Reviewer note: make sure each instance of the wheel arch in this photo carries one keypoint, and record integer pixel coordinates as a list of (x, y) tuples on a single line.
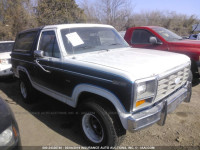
[(84, 89), (21, 70), (22, 73), (102, 96)]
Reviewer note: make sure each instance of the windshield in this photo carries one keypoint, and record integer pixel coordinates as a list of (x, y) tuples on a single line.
[(167, 34), (6, 47), (90, 39)]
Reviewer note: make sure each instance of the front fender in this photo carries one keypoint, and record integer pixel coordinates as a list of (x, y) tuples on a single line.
[(123, 114)]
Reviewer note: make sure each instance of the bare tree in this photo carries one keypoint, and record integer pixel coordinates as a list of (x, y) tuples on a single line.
[(90, 11), (15, 16), (114, 12)]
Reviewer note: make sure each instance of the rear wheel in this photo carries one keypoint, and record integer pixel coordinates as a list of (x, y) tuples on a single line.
[(98, 127), (23, 90), (26, 90)]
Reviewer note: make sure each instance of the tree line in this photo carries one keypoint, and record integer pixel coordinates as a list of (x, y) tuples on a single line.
[(18, 15), (120, 14)]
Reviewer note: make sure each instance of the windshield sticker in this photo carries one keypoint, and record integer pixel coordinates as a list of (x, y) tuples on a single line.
[(75, 39)]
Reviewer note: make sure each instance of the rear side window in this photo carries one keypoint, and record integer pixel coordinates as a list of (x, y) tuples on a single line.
[(141, 37), (25, 41)]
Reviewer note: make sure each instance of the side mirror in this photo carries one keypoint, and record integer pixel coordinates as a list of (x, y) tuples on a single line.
[(38, 53), (153, 40)]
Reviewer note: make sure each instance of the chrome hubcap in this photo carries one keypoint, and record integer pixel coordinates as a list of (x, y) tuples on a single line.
[(92, 128), (23, 89)]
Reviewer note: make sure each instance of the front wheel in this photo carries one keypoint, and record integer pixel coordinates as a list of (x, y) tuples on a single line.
[(189, 92), (93, 128), (98, 126)]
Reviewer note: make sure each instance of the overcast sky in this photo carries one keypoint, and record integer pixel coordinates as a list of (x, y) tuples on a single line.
[(188, 7)]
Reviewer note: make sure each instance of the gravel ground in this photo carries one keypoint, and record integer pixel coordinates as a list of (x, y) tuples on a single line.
[(46, 123)]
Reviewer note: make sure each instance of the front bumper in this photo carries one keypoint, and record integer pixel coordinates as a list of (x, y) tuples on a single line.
[(5, 70), (158, 113)]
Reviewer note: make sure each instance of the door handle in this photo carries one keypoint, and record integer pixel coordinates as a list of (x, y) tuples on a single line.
[(36, 61)]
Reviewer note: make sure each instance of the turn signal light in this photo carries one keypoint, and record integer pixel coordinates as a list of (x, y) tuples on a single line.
[(138, 103), (14, 131)]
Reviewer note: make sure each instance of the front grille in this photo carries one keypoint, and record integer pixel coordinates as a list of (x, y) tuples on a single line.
[(168, 85)]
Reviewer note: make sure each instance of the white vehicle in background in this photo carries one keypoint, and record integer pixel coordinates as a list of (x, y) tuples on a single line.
[(193, 37), (5, 59)]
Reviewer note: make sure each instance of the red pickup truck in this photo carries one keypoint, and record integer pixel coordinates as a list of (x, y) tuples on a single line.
[(159, 38)]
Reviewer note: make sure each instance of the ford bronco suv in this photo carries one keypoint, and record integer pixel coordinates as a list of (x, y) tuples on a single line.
[(91, 68)]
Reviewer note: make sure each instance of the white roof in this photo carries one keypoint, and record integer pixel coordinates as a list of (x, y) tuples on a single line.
[(62, 26)]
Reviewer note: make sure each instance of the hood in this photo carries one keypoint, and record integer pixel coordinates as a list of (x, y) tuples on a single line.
[(135, 63), (188, 43), (5, 55)]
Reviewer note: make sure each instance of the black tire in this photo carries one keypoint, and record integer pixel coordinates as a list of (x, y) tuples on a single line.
[(26, 90), (195, 73), (190, 78), (102, 124), (189, 93)]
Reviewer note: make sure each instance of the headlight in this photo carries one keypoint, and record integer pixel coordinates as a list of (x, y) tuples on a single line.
[(7, 137), (141, 88), (4, 61), (144, 92)]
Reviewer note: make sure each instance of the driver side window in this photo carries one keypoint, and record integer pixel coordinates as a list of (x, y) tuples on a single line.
[(49, 44), (141, 37)]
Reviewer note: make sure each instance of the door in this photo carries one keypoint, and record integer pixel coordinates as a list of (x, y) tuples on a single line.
[(141, 39), (48, 68)]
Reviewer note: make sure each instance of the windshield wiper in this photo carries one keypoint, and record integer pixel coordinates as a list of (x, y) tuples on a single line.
[(115, 44), (104, 49), (85, 47)]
